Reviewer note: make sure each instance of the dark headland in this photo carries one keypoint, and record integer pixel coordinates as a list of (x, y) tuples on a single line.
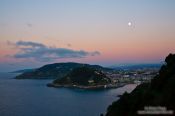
[(156, 96), (56, 70), (85, 78)]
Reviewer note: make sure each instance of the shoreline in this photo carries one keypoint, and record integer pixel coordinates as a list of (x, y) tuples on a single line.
[(109, 86)]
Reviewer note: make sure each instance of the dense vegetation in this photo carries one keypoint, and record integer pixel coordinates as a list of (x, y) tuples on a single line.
[(84, 76), (160, 92), (54, 71)]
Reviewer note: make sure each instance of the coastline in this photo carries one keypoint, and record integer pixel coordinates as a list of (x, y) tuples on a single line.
[(109, 86)]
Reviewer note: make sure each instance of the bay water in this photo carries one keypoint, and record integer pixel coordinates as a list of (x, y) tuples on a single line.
[(34, 98)]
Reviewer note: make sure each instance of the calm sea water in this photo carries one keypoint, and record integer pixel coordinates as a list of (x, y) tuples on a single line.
[(34, 98)]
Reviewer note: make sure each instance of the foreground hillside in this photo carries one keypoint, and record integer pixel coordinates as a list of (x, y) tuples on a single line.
[(159, 93), (53, 71)]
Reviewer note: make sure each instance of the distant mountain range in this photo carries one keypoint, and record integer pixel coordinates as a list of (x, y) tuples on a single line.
[(56, 70)]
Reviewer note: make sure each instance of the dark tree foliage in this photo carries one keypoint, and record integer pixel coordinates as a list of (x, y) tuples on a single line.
[(82, 75), (160, 92)]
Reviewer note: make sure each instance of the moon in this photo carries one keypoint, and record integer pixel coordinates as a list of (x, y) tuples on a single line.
[(129, 24)]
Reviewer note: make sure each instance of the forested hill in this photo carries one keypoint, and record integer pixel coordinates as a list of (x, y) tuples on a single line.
[(85, 76), (54, 71)]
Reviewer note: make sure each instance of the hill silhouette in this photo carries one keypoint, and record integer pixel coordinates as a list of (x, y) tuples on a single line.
[(160, 92), (56, 70), (84, 76)]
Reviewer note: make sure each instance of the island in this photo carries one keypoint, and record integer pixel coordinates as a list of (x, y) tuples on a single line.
[(85, 78)]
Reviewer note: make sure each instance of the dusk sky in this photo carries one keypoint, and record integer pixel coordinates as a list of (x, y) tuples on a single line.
[(105, 32)]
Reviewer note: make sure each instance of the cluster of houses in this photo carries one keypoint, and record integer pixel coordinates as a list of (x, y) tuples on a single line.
[(133, 76)]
